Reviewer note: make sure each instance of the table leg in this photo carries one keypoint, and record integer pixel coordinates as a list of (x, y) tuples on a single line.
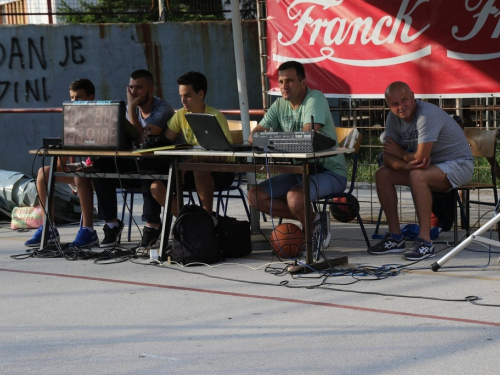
[(178, 185), (307, 211), (165, 231), (48, 203)]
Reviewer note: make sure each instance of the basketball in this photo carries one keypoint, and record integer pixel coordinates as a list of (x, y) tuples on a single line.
[(434, 220), (343, 212), (287, 240)]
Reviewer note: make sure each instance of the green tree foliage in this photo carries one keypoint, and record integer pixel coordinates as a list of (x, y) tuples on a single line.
[(248, 9), (110, 11), (133, 11), (194, 10)]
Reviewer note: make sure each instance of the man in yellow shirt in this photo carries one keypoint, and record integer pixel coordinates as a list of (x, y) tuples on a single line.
[(192, 91)]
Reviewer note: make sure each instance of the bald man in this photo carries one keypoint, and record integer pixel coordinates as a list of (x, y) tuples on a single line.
[(426, 150)]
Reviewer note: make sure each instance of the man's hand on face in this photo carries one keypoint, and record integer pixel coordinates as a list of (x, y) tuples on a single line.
[(132, 101)]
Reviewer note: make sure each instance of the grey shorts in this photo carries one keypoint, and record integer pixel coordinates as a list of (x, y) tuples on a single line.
[(459, 171), (320, 185)]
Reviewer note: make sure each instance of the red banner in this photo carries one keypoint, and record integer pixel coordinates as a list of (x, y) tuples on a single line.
[(354, 48)]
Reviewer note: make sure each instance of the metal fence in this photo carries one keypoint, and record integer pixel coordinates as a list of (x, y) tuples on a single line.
[(248, 8), (97, 11), (59, 11)]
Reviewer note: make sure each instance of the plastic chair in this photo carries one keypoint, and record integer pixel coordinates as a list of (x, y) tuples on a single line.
[(349, 138), (483, 145)]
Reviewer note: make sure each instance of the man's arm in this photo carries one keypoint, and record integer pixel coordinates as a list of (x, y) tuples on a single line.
[(258, 128), (307, 127), (132, 104), (152, 128), (170, 134), (395, 157)]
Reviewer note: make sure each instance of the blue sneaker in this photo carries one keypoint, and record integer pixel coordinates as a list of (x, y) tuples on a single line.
[(36, 240), (85, 237)]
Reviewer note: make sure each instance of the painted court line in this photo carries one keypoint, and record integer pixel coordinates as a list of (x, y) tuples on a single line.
[(244, 295)]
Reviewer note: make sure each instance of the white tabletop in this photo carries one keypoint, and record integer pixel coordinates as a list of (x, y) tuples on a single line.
[(256, 154)]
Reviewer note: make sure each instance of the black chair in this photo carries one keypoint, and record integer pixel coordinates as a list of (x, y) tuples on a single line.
[(231, 192), (348, 138)]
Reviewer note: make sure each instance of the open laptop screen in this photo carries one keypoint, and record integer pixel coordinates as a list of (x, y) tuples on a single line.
[(209, 133)]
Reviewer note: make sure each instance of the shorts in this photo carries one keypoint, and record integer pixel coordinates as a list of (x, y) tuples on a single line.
[(320, 185), (222, 180), (459, 172)]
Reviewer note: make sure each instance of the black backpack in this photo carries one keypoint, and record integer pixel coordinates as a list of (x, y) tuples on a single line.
[(234, 237), (194, 237)]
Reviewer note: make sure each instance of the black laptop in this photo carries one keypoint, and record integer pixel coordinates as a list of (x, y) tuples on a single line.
[(210, 135)]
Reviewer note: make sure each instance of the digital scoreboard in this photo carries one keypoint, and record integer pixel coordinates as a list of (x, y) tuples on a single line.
[(96, 125)]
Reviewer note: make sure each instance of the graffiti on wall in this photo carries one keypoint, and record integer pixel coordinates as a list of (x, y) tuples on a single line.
[(18, 56)]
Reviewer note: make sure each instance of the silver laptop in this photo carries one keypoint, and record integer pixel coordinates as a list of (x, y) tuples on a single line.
[(210, 135)]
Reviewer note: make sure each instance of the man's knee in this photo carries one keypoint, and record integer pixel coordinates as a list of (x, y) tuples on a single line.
[(418, 177), (157, 188), (382, 174), (295, 198), (255, 195), (203, 176)]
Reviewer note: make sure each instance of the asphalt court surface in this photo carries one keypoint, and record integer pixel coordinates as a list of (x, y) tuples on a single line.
[(378, 314)]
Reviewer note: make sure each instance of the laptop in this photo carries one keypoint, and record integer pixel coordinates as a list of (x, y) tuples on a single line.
[(210, 135)]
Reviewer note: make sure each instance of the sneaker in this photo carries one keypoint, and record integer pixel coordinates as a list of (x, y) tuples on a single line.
[(317, 233), (326, 228), (111, 235), (388, 245), (149, 237), (36, 240), (419, 250), (85, 237)]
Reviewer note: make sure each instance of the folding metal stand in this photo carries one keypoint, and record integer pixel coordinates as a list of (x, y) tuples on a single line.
[(473, 237)]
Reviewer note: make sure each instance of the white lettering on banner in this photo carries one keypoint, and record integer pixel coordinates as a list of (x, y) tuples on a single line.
[(472, 57), (481, 17), (362, 28), (327, 54)]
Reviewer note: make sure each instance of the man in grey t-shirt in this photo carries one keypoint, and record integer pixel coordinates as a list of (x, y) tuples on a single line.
[(426, 150)]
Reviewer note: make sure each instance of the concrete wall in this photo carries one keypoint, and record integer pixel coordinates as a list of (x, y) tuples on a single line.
[(37, 63)]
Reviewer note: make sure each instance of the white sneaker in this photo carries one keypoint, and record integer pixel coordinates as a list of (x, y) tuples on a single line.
[(326, 227)]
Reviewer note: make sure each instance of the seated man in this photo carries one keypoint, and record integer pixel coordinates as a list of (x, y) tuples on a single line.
[(148, 114), (293, 112), (192, 90), (80, 89), (426, 150)]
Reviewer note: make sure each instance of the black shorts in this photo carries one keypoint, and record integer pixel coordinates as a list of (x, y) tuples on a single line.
[(222, 180)]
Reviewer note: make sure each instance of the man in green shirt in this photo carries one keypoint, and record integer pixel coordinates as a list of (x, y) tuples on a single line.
[(299, 109)]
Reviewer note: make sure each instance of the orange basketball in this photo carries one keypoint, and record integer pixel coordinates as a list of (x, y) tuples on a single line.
[(434, 220), (287, 240)]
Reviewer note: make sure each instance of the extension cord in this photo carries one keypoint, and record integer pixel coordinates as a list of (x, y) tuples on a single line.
[(313, 267)]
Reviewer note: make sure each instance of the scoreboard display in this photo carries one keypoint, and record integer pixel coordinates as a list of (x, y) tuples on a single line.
[(95, 125)]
